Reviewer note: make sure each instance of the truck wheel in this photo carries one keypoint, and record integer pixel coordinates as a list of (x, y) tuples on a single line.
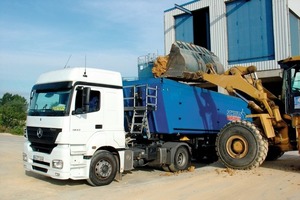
[(181, 160), (240, 145), (103, 169)]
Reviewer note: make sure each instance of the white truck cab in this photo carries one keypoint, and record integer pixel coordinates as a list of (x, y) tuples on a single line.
[(75, 120)]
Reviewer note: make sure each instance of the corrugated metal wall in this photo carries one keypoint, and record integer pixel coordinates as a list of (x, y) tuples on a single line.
[(218, 30)]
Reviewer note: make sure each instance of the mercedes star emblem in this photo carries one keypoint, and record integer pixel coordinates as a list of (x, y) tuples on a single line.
[(39, 133)]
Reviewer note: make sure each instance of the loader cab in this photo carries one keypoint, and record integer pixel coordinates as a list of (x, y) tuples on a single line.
[(291, 84)]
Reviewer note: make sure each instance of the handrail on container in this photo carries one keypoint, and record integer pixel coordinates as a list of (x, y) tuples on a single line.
[(150, 99)]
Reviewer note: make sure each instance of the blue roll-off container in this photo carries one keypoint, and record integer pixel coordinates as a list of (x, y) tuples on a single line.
[(185, 109)]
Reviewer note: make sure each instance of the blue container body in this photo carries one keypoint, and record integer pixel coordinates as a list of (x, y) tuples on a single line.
[(185, 109)]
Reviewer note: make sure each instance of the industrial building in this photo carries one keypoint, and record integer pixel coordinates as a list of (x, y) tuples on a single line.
[(239, 32)]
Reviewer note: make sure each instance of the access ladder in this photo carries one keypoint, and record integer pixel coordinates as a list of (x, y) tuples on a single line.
[(140, 100)]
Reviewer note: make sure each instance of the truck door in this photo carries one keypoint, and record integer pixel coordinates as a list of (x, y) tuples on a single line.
[(86, 113)]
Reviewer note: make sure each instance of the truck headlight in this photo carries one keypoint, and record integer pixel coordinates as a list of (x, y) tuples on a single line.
[(58, 164), (25, 158)]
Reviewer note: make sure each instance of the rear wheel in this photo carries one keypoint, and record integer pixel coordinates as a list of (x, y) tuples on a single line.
[(240, 145), (103, 168), (181, 160)]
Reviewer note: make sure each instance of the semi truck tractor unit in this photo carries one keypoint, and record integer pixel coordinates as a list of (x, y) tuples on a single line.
[(86, 123)]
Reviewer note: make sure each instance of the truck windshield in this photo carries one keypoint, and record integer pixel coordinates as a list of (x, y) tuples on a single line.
[(49, 103)]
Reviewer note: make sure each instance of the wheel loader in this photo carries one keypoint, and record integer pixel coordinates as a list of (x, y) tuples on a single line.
[(274, 123)]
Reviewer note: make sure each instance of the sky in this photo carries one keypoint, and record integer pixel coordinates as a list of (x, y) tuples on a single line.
[(38, 36)]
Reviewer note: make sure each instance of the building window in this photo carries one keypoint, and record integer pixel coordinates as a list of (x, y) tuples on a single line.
[(250, 31)]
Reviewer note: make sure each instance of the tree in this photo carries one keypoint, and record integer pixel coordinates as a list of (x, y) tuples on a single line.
[(13, 113)]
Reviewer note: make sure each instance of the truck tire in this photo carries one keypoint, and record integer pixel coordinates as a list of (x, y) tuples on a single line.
[(182, 160), (103, 168), (240, 145)]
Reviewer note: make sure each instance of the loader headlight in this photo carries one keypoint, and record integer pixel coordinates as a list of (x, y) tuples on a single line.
[(58, 164)]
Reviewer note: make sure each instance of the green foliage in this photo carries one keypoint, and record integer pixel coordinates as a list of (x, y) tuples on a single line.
[(12, 113)]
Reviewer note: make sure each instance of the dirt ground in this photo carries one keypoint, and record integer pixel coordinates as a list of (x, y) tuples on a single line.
[(273, 180)]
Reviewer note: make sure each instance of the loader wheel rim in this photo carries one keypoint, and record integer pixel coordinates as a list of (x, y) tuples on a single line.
[(237, 146)]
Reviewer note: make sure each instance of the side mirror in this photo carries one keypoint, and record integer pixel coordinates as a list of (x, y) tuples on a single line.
[(86, 99)]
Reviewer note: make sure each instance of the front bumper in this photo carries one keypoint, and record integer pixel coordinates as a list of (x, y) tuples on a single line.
[(72, 166)]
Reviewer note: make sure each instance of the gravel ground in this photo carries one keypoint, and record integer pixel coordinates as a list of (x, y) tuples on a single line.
[(273, 180)]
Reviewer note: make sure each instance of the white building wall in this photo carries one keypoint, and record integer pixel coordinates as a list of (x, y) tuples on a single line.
[(217, 12), (218, 30)]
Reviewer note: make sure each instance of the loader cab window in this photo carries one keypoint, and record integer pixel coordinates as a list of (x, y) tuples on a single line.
[(291, 89), (93, 105), (295, 80)]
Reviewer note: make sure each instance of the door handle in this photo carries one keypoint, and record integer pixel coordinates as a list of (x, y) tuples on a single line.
[(98, 126)]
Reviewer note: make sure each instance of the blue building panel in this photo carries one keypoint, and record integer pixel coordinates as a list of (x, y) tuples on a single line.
[(295, 34), (250, 31), (184, 29)]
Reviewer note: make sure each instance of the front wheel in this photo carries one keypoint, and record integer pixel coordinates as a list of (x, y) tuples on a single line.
[(181, 160), (103, 169), (240, 145)]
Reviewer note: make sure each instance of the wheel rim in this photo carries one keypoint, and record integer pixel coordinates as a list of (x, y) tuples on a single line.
[(237, 146), (103, 169), (181, 159)]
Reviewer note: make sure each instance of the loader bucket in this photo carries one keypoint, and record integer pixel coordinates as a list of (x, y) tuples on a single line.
[(185, 57)]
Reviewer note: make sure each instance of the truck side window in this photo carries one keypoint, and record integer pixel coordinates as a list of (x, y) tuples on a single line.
[(94, 104), (94, 101)]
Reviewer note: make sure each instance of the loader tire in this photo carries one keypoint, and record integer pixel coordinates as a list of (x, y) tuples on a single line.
[(274, 153), (240, 145), (103, 168)]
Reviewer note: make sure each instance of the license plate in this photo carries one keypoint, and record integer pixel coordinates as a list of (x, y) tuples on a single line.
[(38, 158)]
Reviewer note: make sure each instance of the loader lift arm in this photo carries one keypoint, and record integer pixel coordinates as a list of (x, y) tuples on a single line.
[(191, 63), (242, 81)]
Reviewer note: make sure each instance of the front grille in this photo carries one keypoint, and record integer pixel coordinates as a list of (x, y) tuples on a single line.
[(42, 139), (40, 169), (41, 162), (43, 148)]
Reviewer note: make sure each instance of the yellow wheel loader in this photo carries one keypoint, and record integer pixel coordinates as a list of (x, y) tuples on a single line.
[(274, 124)]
